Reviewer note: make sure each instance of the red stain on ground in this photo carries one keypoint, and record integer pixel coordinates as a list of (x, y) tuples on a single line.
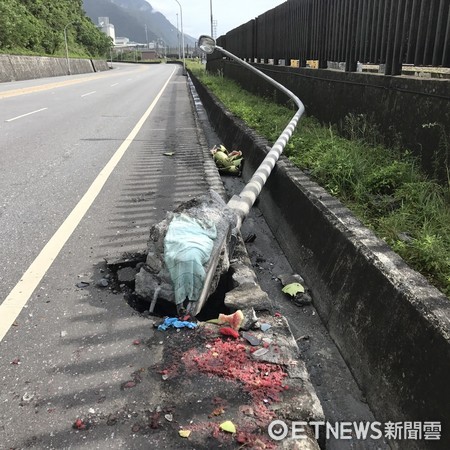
[(233, 361)]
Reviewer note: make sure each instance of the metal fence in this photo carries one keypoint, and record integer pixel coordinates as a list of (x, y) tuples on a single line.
[(382, 32)]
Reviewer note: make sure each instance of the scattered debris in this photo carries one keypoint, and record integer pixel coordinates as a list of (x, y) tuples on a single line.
[(16, 362), (247, 410), (137, 342), (82, 284), (302, 299), (169, 153), (227, 162), (176, 323), (184, 433), (126, 276), (288, 278), (260, 352), (103, 282), (27, 398), (250, 238), (228, 331), (168, 417), (251, 338), (293, 289), (217, 412), (305, 337), (80, 424), (154, 420), (293, 286), (234, 320), (228, 426), (265, 327)]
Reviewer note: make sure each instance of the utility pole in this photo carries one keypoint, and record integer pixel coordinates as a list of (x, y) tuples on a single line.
[(182, 37), (212, 26), (67, 48), (178, 40)]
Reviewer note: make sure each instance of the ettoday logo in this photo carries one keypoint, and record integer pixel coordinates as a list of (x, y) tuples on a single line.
[(414, 431), (278, 430)]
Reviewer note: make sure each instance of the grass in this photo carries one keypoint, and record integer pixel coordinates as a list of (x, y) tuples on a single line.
[(384, 187)]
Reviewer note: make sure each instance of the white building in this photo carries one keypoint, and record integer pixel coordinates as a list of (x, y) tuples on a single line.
[(107, 28)]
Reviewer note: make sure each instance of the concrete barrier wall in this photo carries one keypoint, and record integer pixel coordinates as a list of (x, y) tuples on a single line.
[(100, 65), (16, 68), (391, 326)]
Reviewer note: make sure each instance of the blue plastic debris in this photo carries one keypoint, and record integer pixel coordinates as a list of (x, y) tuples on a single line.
[(176, 323)]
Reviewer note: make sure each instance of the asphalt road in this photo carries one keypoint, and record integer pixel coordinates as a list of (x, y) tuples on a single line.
[(50, 157), (83, 176), (56, 135)]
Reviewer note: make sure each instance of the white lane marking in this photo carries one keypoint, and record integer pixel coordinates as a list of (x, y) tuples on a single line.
[(115, 84), (27, 114), (89, 93), (22, 291)]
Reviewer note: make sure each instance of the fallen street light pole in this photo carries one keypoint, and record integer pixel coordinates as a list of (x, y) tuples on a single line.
[(190, 250), (242, 203)]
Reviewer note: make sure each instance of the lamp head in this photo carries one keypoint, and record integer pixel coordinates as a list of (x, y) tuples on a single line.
[(207, 44)]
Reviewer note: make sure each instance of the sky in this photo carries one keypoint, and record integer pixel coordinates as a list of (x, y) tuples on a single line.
[(197, 15)]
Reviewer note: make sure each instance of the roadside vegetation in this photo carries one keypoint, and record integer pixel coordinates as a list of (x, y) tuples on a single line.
[(36, 27), (384, 187)]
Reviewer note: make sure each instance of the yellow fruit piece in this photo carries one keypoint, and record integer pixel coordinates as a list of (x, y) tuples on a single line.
[(184, 433), (228, 426)]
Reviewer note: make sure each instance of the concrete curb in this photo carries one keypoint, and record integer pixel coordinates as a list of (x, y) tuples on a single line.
[(391, 326), (17, 68), (302, 403)]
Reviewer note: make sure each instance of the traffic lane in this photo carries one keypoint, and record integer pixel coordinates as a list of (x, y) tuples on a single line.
[(14, 88), (75, 346), (47, 165), (40, 98)]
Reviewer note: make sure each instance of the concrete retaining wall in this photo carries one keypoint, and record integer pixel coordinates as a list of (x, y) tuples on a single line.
[(391, 326), (16, 68)]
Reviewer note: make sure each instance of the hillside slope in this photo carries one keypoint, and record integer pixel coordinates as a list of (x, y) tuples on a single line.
[(129, 18), (37, 27)]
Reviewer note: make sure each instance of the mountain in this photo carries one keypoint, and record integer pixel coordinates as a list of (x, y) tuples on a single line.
[(130, 17)]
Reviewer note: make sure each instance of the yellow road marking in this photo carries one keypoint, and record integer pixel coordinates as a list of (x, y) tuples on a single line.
[(22, 291), (55, 85)]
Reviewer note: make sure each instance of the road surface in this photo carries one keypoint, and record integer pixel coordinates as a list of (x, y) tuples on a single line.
[(83, 176)]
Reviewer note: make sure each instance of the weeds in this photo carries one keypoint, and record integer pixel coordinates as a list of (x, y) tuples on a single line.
[(383, 187)]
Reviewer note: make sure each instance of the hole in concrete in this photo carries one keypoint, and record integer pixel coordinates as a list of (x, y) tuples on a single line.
[(215, 303), (124, 270)]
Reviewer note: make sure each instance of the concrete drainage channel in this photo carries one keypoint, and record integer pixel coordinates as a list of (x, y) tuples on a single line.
[(391, 326)]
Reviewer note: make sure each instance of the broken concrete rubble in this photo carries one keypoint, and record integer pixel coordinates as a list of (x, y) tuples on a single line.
[(153, 279)]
